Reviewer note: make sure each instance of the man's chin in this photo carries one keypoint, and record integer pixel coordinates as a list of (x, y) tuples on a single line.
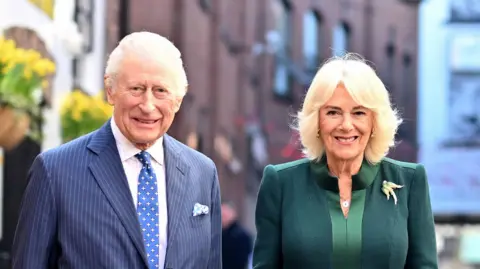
[(143, 146), (144, 143)]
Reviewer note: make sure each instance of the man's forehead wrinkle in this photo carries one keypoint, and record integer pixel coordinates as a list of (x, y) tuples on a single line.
[(163, 83), (169, 74)]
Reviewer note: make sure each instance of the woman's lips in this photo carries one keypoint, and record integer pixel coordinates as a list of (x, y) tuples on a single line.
[(346, 140)]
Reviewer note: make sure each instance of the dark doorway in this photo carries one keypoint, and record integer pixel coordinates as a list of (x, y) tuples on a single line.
[(15, 170)]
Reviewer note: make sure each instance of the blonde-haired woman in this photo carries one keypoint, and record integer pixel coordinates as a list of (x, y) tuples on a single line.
[(346, 205)]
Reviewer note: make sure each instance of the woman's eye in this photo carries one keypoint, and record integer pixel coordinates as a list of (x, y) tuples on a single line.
[(360, 113), (332, 112)]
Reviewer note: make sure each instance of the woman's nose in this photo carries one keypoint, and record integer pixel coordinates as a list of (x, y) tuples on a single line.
[(347, 123)]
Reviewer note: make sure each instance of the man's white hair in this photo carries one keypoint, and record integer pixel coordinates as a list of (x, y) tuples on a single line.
[(153, 47)]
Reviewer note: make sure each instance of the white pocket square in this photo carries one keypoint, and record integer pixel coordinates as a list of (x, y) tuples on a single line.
[(199, 209)]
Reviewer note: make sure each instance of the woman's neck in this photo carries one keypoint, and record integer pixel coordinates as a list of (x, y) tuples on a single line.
[(341, 167)]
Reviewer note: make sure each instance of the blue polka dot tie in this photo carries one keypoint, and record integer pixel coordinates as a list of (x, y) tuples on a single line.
[(147, 208)]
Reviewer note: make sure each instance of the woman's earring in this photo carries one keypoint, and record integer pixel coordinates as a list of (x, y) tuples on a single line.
[(318, 133)]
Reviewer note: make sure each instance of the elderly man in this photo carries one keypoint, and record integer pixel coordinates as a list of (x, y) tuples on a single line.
[(127, 195)]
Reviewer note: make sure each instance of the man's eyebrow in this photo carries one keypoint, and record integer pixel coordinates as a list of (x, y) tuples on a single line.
[(144, 83)]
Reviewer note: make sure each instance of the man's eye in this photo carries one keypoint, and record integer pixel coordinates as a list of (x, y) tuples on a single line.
[(161, 90)]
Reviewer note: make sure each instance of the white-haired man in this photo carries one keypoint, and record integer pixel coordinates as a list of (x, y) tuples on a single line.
[(127, 195)]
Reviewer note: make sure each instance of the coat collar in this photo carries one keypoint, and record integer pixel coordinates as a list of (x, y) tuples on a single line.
[(360, 181)]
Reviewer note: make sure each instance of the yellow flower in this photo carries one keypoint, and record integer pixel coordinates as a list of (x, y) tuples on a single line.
[(27, 73), (78, 103), (30, 60), (7, 50), (43, 67), (32, 56), (82, 113), (76, 115)]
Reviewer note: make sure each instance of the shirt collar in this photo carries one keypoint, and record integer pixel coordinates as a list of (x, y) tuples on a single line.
[(127, 149), (360, 181)]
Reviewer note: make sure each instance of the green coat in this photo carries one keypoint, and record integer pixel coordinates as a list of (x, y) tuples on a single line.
[(300, 224)]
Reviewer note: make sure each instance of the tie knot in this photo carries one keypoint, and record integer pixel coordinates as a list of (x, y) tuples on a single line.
[(144, 158)]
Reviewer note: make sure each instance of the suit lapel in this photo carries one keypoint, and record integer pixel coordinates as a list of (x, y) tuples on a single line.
[(176, 170), (110, 176)]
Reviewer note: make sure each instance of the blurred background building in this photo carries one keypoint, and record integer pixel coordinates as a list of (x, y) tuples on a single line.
[(249, 63), (449, 123)]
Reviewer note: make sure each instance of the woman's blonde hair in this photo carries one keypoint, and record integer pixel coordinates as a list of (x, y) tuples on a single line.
[(366, 88)]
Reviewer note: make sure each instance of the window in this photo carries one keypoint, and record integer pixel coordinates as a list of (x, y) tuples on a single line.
[(465, 10), (283, 23), (281, 82), (84, 17), (124, 18), (341, 39), (464, 91), (205, 5), (405, 99), (407, 75), (390, 52), (312, 40)]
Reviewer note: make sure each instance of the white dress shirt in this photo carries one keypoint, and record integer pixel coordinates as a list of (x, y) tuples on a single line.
[(132, 167)]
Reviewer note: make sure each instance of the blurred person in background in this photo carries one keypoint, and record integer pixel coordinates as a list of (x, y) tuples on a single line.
[(236, 241), (127, 195), (346, 205)]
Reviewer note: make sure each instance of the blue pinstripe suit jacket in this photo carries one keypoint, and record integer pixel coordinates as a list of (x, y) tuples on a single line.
[(77, 211)]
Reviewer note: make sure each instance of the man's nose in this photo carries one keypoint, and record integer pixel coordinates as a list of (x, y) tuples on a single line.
[(147, 104)]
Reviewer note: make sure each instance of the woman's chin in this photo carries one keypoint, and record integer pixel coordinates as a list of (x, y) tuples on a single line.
[(347, 155)]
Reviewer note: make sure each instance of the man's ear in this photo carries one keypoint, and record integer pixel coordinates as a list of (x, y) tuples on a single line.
[(177, 104), (108, 82), (178, 101)]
